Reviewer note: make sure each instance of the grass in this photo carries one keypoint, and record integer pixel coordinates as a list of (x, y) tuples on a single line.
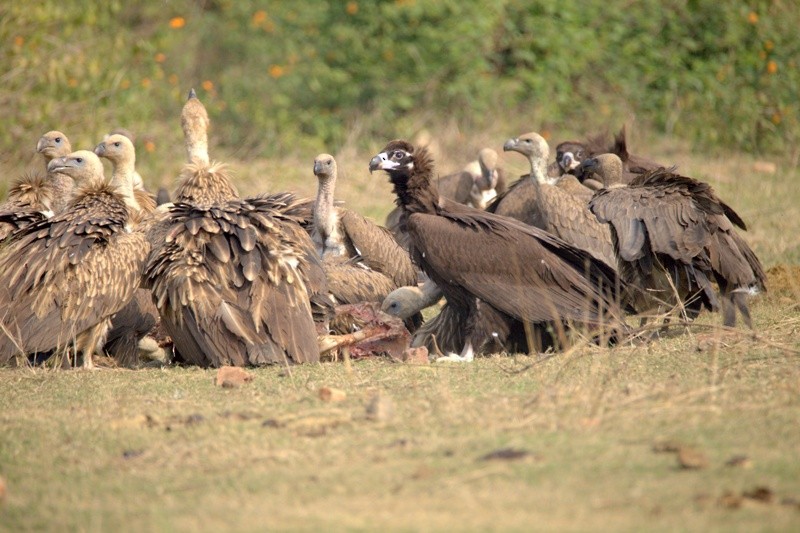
[(164, 449)]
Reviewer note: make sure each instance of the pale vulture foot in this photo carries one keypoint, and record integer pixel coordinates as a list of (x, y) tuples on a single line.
[(467, 355)]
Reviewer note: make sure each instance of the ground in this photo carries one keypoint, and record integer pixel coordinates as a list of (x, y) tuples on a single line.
[(695, 431)]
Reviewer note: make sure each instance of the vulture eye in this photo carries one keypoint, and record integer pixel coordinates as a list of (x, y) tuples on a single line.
[(79, 160), (58, 140), (397, 155), (328, 162), (117, 144)]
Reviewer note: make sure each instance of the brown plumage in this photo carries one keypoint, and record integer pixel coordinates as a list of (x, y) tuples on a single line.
[(119, 149), (673, 231), (538, 278), (534, 200), (477, 184), (363, 262), (63, 278), (572, 153), (231, 277), (36, 196)]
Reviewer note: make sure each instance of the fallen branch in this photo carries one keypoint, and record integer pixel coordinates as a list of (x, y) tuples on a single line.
[(328, 343)]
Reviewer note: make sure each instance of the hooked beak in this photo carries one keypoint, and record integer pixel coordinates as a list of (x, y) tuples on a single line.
[(100, 149), (381, 162), (40, 146), (510, 144), (568, 162), (57, 164), (317, 168), (587, 166)]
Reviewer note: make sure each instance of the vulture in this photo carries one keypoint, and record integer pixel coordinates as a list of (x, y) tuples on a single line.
[(476, 185), (118, 149), (232, 277), (673, 237), (140, 316), (539, 278), (63, 278), (534, 200), (34, 197), (363, 262)]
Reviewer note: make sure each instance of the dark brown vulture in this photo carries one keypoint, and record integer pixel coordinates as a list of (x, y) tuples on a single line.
[(63, 278), (477, 184), (363, 262), (534, 200), (673, 234), (119, 149), (569, 155), (525, 276), (232, 277)]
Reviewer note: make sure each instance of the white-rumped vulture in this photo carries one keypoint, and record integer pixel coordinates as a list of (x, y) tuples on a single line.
[(363, 262), (525, 275), (534, 200), (63, 278), (673, 234), (230, 276)]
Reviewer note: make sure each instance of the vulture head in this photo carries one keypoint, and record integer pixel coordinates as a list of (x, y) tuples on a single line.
[(569, 155), (53, 144), (403, 302), (397, 158), (605, 168), (116, 148), (324, 167), (194, 121), (487, 159), (534, 147), (82, 166)]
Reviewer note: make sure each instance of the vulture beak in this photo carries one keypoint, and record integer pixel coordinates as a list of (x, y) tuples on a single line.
[(510, 144), (381, 162), (568, 162), (40, 146), (57, 164), (100, 149), (317, 168), (588, 165)]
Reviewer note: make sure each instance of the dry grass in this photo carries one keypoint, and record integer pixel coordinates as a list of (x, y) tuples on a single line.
[(167, 450)]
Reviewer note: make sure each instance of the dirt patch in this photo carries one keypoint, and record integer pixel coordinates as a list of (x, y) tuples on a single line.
[(783, 281)]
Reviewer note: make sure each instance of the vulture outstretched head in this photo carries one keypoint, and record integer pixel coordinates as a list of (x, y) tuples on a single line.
[(534, 147), (195, 123), (53, 144)]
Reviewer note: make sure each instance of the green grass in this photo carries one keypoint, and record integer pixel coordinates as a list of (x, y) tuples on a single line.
[(166, 449)]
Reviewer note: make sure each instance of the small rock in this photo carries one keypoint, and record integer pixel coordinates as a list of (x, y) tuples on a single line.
[(131, 454), (329, 394), (232, 376), (416, 356), (691, 459), (380, 408)]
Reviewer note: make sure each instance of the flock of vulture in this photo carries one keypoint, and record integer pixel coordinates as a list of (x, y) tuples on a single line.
[(90, 265)]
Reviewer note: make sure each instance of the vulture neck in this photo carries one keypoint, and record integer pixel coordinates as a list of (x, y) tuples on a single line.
[(122, 179), (538, 170), (63, 187), (325, 218), (205, 185), (415, 192)]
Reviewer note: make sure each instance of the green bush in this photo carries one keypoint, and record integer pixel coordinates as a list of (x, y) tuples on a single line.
[(278, 75)]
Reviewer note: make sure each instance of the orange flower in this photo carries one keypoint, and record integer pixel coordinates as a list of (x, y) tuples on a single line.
[(352, 8), (276, 71), (776, 118), (19, 40), (160, 57), (173, 79), (146, 83), (752, 17), (177, 22), (72, 82), (768, 45), (207, 86), (150, 146), (259, 17), (772, 67), (124, 84)]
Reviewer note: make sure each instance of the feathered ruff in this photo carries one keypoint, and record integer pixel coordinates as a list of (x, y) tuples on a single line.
[(204, 184)]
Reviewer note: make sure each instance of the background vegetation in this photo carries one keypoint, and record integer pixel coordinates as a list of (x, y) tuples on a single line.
[(286, 76)]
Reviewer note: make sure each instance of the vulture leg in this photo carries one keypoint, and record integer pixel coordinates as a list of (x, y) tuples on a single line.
[(91, 341), (739, 298), (467, 355)]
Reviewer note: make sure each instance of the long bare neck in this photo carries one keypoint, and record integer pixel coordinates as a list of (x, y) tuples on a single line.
[(324, 211), (538, 169), (63, 187), (122, 179)]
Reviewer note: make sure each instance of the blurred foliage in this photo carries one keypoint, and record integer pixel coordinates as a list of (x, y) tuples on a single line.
[(278, 75)]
